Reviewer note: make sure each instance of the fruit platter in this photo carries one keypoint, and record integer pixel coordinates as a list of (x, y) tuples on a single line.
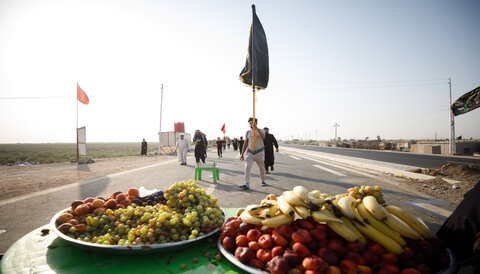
[(302, 231), (128, 223)]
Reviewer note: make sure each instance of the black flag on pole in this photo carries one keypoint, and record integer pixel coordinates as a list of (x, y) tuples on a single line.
[(258, 51), (467, 102)]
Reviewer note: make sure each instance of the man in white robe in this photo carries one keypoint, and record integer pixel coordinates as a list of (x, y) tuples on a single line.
[(182, 147)]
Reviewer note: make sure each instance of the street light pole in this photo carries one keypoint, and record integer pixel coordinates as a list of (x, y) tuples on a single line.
[(160, 130), (336, 126), (452, 121)]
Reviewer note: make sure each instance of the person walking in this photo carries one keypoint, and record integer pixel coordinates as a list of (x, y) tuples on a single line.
[(269, 142), (219, 147), (235, 144), (144, 148), (201, 144), (182, 148), (240, 144), (257, 155)]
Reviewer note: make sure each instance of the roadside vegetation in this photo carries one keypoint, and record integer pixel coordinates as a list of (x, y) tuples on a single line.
[(66, 152)]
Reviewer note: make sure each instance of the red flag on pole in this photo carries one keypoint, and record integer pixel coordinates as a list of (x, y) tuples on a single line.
[(223, 129), (82, 96)]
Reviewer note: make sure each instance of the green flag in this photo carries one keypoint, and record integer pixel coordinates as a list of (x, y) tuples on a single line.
[(467, 102)]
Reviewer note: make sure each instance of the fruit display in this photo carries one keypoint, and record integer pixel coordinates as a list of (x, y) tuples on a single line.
[(304, 231), (181, 212)]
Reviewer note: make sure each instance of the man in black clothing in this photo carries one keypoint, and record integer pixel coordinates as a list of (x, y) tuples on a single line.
[(219, 147), (240, 144), (269, 142), (144, 147), (200, 141)]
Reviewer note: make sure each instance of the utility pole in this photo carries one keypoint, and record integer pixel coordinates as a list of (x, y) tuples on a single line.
[(336, 126), (160, 130), (452, 121)]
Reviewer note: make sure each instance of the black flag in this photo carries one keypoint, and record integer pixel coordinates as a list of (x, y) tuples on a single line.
[(258, 51), (467, 102)]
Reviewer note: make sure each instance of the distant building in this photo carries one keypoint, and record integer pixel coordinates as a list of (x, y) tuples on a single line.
[(462, 147)]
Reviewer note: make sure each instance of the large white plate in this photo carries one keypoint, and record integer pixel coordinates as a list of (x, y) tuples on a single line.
[(125, 249)]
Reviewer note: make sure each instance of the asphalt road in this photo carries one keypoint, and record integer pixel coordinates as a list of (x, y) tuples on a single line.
[(29, 212), (403, 158)]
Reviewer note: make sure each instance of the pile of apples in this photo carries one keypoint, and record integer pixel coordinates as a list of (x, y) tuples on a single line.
[(307, 246)]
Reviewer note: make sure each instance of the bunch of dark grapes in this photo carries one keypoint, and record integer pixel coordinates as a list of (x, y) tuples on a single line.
[(152, 199)]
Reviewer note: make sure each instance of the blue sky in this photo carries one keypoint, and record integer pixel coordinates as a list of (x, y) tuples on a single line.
[(373, 67)]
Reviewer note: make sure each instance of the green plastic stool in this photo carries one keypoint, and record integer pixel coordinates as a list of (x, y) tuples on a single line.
[(214, 169)]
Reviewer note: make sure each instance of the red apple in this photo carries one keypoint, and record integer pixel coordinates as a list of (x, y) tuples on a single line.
[(300, 250), (410, 271), (266, 241), (363, 269), (279, 239), (337, 248), (377, 248), (390, 257), (241, 240), (357, 258), (318, 234), (302, 236), (348, 267), (277, 251), (285, 230), (243, 228), (264, 255), (292, 258), (229, 243), (314, 263), (244, 254), (357, 247), (254, 234), (253, 245), (328, 256), (306, 224), (278, 265), (371, 257), (332, 269), (256, 263)]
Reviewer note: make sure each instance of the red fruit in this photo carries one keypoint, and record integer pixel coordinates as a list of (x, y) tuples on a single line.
[(377, 248), (285, 230), (254, 234), (133, 192), (389, 267), (264, 255), (257, 263), (111, 203), (253, 245), (333, 270), (229, 231), (337, 248), (425, 244), (348, 267), (306, 224), (241, 240), (89, 200), (310, 271), (80, 227), (278, 265), (314, 264), (235, 223), (125, 202), (82, 209), (76, 203), (120, 197), (229, 243), (390, 257), (357, 247), (371, 257), (363, 269), (266, 241), (244, 254), (357, 258), (322, 243), (97, 203), (277, 251), (279, 239), (323, 227), (302, 236), (423, 268), (98, 211), (115, 194), (243, 228), (328, 256), (267, 230), (292, 258), (410, 271), (300, 250), (318, 234)]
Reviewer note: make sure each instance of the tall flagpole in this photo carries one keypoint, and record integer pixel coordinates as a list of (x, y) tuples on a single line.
[(253, 72), (160, 130), (76, 129)]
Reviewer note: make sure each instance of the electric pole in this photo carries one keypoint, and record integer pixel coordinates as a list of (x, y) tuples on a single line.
[(452, 121), (336, 126)]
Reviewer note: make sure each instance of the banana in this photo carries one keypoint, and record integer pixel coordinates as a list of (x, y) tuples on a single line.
[(325, 216), (352, 227), (292, 199), (302, 211), (399, 226), (301, 192), (272, 210), (413, 222), (340, 228), (371, 220), (377, 236), (247, 218), (315, 197), (345, 206), (374, 207), (256, 209), (277, 221), (285, 207)]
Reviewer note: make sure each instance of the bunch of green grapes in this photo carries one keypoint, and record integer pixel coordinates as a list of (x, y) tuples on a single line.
[(188, 213), (362, 191)]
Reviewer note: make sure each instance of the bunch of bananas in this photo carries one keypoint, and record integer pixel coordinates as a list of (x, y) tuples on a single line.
[(353, 217)]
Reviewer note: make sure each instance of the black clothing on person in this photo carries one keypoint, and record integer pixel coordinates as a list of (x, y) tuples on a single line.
[(240, 145), (219, 148), (200, 147), (269, 141), (144, 148)]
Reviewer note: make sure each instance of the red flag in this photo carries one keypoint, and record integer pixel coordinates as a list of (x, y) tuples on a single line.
[(82, 96), (223, 129)]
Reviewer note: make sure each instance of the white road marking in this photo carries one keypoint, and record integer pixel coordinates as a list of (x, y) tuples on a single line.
[(51, 190), (330, 170), (296, 158)]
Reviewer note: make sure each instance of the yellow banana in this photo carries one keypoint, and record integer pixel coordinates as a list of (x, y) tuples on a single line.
[(325, 216), (340, 228), (352, 227), (277, 221), (410, 220), (292, 199), (272, 210), (285, 207), (345, 206), (399, 226), (315, 197), (256, 209), (302, 211), (301, 192), (377, 236), (377, 224), (374, 207), (247, 218)]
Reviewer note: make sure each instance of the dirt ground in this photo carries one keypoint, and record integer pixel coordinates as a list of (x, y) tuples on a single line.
[(21, 180)]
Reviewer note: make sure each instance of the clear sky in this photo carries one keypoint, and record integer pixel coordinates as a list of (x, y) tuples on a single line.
[(374, 67)]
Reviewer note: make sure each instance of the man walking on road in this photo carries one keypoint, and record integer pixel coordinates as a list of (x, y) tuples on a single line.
[(182, 147), (257, 155), (269, 142), (240, 144), (200, 146)]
